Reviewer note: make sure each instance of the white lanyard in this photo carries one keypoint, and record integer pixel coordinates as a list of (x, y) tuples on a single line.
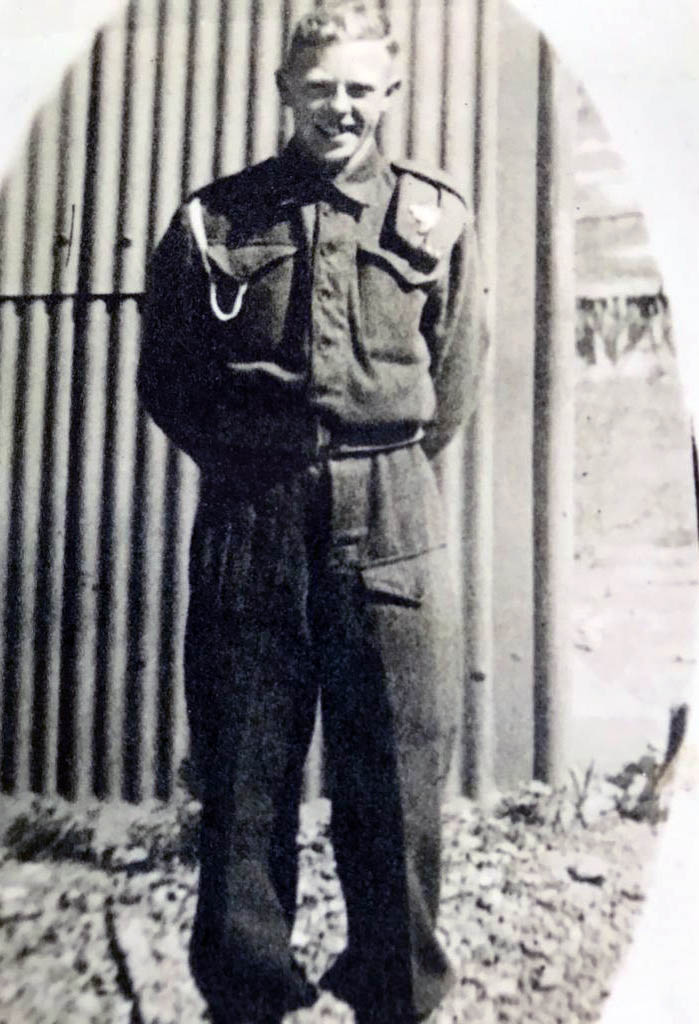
[(196, 221)]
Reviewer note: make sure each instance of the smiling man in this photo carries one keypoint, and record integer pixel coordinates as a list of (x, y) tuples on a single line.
[(338, 94), (312, 339)]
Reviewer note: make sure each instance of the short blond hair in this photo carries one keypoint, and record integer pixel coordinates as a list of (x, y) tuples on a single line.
[(337, 21)]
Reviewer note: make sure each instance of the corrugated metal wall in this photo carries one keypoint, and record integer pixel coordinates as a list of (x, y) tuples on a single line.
[(93, 538)]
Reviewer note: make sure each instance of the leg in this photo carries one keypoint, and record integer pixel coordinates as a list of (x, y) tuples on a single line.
[(389, 699), (251, 701)]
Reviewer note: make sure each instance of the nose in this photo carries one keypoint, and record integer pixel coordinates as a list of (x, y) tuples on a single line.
[(341, 102)]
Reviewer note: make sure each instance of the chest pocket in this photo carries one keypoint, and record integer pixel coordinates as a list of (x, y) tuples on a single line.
[(393, 294), (251, 304), (257, 274), (235, 272), (386, 262)]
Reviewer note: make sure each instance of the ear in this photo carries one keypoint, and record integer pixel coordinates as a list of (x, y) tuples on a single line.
[(391, 91), (283, 86)]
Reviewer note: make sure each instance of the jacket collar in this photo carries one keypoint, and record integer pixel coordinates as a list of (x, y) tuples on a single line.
[(366, 184)]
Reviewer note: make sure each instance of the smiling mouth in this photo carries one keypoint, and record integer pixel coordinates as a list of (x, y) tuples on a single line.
[(336, 133)]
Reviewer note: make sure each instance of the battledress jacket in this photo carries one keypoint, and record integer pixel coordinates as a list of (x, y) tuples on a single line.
[(279, 299)]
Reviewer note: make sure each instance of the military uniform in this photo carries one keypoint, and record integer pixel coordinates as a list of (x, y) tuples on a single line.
[(312, 342)]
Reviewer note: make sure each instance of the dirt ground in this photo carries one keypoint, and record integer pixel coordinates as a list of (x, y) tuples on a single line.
[(539, 901)]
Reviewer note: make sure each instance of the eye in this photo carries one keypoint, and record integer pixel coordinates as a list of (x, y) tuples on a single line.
[(358, 92), (317, 90)]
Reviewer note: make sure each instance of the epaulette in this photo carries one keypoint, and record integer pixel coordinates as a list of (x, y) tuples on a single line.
[(433, 175), (429, 212)]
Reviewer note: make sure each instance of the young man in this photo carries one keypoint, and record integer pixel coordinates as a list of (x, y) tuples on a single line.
[(312, 339)]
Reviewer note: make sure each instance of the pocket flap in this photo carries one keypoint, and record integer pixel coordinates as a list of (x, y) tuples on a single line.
[(402, 581), (248, 260), (397, 265)]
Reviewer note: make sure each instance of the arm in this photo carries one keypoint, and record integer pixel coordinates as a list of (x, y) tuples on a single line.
[(455, 329), (178, 382)]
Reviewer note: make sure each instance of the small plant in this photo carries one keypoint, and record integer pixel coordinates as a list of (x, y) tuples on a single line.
[(642, 782), (581, 790)]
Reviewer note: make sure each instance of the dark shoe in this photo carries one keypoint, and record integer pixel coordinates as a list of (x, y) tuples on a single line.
[(305, 992), (346, 980), (269, 1008), (274, 1019), (343, 978), (376, 1017)]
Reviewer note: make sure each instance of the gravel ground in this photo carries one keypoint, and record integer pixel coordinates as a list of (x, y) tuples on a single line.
[(539, 901)]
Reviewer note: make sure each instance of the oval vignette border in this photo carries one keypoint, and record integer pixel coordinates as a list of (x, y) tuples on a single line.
[(638, 63)]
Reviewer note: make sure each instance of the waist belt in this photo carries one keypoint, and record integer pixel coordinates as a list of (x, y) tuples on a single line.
[(343, 441), (249, 470)]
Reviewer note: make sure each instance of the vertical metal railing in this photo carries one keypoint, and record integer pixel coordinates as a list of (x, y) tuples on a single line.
[(477, 508), (553, 424)]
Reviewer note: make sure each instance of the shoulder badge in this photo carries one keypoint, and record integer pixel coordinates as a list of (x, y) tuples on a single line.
[(429, 213)]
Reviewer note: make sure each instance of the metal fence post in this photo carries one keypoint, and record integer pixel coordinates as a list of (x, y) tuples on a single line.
[(553, 415), (479, 727)]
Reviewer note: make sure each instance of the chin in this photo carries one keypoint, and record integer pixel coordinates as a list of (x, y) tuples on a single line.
[(331, 158), (322, 150), (339, 156)]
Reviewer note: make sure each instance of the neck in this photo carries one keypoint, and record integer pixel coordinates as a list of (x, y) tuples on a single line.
[(364, 153), (341, 169)]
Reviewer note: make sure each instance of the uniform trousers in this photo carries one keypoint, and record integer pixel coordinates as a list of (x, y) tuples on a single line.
[(329, 578)]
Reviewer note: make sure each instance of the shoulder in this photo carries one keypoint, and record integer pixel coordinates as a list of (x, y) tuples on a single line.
[(239, 205), (415, 174), (229, 194), (219, 210), (430, 211), (238, 189)]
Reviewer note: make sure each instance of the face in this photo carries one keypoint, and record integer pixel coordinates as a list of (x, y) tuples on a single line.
[(337, 94)]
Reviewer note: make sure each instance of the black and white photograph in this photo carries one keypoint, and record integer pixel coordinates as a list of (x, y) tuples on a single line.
[(348, 513)]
